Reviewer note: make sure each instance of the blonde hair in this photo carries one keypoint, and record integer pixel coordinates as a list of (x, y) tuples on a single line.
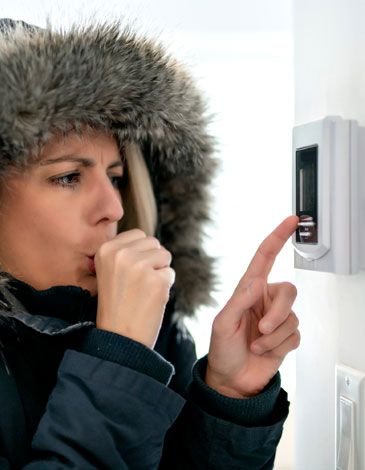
[(139, 203)]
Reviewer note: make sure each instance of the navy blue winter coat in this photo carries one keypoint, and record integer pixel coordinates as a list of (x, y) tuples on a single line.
[(73, 396)]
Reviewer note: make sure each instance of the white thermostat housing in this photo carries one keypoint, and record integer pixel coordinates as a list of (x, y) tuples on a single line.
[(327, 196)]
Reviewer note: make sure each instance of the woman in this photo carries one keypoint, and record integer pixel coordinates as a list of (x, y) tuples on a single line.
[(105, 167)]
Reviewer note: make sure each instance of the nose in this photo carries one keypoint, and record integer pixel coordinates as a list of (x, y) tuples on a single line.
[(107, 200)]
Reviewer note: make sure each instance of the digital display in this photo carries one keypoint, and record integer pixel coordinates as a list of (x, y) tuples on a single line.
[(307, 194), (307, 187)]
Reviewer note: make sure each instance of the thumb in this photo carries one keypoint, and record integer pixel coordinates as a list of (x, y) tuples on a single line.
[(243, 298)]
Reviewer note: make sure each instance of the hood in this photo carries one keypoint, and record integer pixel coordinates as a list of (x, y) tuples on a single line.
[(108, 76)]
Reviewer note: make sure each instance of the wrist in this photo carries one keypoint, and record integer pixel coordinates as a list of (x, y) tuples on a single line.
[(126, 352), (265, 409), (221, 385), (126, 331)]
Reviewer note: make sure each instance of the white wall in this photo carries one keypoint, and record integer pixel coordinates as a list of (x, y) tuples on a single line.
[(248, 79), (241, 54), (329, 44)]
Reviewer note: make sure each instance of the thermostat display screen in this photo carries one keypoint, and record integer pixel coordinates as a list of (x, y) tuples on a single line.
[(307, 194)]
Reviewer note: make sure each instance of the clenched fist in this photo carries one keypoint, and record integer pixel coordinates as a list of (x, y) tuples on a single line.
[(134, 279)]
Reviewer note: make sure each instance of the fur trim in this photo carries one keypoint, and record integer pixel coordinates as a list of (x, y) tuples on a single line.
[(105, 75)]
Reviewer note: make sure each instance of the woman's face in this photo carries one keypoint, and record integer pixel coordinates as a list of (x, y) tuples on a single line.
[(61, 210)]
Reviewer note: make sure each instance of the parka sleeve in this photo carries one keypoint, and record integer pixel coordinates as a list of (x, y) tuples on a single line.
[(103, 415), (215, 432)]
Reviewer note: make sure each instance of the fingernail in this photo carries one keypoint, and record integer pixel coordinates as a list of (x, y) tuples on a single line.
[(267, 327)]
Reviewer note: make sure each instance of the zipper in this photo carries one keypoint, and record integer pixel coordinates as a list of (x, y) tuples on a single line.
[(5, 362)]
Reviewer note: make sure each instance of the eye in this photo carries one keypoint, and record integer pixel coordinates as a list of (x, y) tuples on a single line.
[(72, 179), (65, 180), (118, 181)]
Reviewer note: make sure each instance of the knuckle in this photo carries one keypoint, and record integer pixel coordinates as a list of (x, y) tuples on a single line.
[(264, 344), (124, 258), (103, 251), (168, 255), (138, 231), (141, 266), (296, 339), (294, 319), (122, 255), (172, 276), (291, 288), (155, 241)]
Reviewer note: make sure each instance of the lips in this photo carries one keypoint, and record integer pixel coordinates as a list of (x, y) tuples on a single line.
[(91, 264)]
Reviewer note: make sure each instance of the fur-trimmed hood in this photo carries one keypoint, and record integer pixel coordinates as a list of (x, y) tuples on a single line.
[(108, 76)]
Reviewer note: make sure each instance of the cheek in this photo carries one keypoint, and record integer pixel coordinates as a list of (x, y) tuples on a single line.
[(53, 227), (41, 224)]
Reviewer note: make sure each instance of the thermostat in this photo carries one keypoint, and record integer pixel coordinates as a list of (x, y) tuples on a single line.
[(327, 196)]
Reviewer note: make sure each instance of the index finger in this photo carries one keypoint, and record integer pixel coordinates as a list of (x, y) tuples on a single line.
[(266, 253)]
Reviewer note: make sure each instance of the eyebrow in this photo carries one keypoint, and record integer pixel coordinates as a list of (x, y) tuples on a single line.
[(86, 162)]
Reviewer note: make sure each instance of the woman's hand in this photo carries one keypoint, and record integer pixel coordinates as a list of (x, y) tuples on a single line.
[(255, 330), (134, 280)]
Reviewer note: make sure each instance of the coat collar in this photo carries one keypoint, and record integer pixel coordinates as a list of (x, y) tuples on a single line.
[(58, 310)]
